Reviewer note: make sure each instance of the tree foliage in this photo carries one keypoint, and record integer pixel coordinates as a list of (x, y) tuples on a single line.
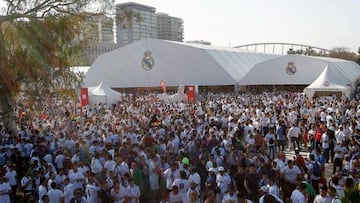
[(39, 41), (343, 53)]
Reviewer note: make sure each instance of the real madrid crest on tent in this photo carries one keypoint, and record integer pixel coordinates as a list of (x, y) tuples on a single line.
[(148, 61), (291, 68)]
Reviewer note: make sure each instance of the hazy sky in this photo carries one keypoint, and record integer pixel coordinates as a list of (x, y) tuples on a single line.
[(323, 23)]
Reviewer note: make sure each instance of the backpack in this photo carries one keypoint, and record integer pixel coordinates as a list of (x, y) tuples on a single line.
[(316, 169)]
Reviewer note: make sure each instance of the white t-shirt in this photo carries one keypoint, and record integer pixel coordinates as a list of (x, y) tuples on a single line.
[(11, 177), (68, 192), (195, 177), (227, 197), (55, 195), (42, 191), (325, 141), (170, 176), (77, 179), (92, 193), (291, 173), (176, 198), (133, 193), (183, 185), (297, 197), (120, 196), (5, 187), (59, 161)]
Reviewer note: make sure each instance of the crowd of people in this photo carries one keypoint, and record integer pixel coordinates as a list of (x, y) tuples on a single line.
[(225, 148)]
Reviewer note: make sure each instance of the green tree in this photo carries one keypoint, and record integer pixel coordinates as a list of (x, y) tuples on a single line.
[(39, 41), (343, 53)]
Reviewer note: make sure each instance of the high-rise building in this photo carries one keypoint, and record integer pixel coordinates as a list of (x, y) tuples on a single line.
[(170, 28), (135, 21), (101, 28), (99, 33)]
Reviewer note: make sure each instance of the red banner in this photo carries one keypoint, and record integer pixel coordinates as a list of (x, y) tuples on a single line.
[(84, 96), (163, 85), (191, 93)]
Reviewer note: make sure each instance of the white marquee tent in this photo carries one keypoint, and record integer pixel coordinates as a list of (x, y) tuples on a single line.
[(103, 94), (329, 83), (300, 70), (176, 63)]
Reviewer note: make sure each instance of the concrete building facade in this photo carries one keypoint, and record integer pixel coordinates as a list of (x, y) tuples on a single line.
[(129, 30), (170, 28)]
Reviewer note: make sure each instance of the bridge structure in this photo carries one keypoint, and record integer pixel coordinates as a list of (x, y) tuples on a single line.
[(284, 48)]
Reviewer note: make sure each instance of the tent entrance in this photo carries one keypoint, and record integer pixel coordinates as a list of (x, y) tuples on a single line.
[(338, 94)]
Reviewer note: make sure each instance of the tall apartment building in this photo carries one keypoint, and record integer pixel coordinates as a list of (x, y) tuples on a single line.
[(129, 30), (99, 32), (170, 28)]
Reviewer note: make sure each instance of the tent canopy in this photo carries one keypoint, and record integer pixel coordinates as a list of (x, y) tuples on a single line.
[(174, 62), (299, 70), (330, 82), (103, 94)]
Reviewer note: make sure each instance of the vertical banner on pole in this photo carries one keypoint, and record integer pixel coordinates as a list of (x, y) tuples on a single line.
[(191, 93), (84, 96)]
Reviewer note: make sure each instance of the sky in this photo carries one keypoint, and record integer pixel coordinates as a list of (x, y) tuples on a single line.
[(228, 23), (321, 23)]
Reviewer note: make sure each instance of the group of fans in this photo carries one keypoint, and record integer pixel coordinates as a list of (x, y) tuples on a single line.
[(225, 148)]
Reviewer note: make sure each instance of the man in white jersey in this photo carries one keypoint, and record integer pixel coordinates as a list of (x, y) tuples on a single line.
[(182, 183), (68, 190), (92, 189), (55, 195)]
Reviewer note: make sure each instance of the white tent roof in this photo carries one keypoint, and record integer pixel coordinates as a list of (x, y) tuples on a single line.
[(331, 80), (102, 90), (103, 94), (176, 63), (273, 72)]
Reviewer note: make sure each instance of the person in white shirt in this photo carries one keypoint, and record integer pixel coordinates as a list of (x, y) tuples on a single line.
[(293, 135), (266, 197), (290, 172), (195, 177), (42, 190), (273, 188), (333, 196), (230, 196), (11, 178), (59, 161), (78, 196), (325, 143), (175, 196), (182, 183), (340, 135), (322, 197), (5, 191), (193, 194), (223, 181), (26, 183), (109, 164), (76, 177), (55, 195), (59, 179), (170, 175), (298, 195), (340, 151), (92, 190), (133, 192), (118, 193), (96, 166), (68, 190)]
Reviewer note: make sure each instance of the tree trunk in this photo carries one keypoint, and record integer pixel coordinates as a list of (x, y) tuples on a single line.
[(8, 114)]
